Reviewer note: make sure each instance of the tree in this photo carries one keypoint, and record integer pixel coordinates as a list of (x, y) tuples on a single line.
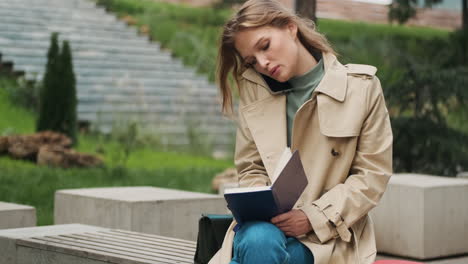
[(57, 101), (50, 83), (69, 123), (307, 9), (402, 10), (426, 90)]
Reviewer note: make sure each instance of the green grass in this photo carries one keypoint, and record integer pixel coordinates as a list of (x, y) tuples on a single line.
[(13, 119), (25, 183)]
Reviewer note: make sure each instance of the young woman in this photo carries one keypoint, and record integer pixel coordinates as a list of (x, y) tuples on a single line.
[(294, 92)]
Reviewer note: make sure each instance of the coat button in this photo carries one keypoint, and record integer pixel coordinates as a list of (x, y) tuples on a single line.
[(335, 153)]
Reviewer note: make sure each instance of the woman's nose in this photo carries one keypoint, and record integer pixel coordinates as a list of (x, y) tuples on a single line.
[(263, 62)]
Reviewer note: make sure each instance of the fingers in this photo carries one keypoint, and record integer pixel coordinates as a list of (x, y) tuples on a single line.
[(280, 218)]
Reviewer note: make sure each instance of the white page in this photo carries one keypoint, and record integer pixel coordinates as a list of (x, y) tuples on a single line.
[(246, 189), (285, 157)]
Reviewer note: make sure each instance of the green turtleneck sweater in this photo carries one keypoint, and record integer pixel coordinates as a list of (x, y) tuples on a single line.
[(302, 88)]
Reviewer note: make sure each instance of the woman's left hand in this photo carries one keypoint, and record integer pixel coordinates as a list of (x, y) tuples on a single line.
[(293, 223)]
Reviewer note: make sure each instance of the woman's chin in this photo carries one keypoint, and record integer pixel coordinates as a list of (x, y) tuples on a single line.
[(281, 79)]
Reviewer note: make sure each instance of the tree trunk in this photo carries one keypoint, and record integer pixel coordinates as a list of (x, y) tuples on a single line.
[(307, 8)]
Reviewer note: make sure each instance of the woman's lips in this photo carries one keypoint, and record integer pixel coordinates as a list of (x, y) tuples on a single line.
[(275, 71)]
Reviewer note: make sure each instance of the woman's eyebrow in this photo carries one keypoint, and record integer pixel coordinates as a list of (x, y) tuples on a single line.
[(256, 44)]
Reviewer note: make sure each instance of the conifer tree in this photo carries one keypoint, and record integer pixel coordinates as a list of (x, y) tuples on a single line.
[(50, 82), (57, 102), (68, 87)]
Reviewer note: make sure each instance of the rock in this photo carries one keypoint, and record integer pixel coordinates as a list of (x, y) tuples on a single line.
[(27, 146), (227, 176), (3, 145), (20, 149), (56, 156)]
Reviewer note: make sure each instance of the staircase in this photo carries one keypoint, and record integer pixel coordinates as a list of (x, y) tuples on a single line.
[(121, 76)]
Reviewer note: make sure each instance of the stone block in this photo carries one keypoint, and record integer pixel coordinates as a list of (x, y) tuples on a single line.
[(16, 215), (9, 250), (423, 217), (151, 210), (463, 175), (82, 244)]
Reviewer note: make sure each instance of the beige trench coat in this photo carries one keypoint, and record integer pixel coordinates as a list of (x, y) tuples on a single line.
[(344, 137)]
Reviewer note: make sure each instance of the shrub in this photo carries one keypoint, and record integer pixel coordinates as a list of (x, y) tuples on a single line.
[(57, 104)]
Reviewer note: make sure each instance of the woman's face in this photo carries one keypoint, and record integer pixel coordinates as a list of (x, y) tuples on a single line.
[(269, 50)]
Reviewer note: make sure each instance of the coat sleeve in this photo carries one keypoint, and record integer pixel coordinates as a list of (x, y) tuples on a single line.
[(337, 210), (247, 160)]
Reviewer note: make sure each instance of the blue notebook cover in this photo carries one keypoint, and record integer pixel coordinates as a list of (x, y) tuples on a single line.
[(269, 201)]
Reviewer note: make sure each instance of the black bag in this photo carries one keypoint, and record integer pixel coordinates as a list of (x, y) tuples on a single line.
[(211, 231)]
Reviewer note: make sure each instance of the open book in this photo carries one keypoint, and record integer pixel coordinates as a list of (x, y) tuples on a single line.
[(263, 203)]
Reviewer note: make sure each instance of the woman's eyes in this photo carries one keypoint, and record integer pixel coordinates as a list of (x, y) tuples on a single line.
[(251, 64)]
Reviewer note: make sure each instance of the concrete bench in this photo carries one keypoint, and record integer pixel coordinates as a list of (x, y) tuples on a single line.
[(151, 210), (423, 217), (16, 215), (82, 244)]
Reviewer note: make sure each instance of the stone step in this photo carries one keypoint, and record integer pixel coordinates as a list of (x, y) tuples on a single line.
[(91, 16), (151, 80), (158, 118), (193, 86), (172, 89), (219, 132), (45, 7), (35, 72), (118, 98), (85, 55), (117, 26), (38, 66), (169, 119), (119, 74), (75, 4), (39, 33), (145, 108), (92, 62)]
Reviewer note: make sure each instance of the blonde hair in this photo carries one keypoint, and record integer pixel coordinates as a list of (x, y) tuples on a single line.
[(254, 14)]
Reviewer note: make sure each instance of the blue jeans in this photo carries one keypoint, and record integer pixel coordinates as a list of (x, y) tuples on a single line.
[(263, 242)]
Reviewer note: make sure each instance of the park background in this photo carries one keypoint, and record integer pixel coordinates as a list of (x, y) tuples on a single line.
[(423, 67)]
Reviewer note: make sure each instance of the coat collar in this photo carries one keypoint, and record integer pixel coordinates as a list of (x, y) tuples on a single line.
[(333, 84)]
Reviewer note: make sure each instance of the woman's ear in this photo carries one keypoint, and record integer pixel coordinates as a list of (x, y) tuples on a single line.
[(292, 28)]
